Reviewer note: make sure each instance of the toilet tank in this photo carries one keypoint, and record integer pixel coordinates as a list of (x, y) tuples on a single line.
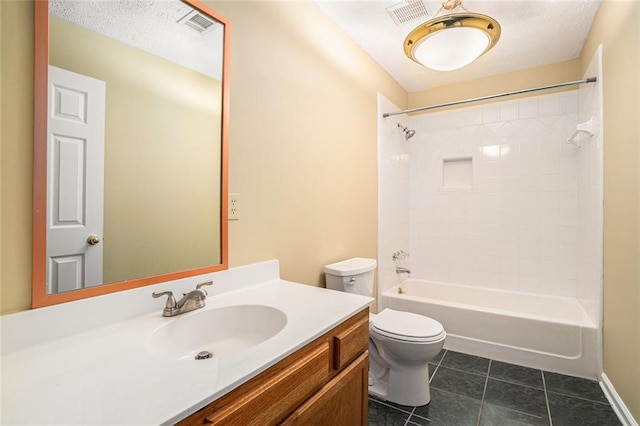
[(351, 275)]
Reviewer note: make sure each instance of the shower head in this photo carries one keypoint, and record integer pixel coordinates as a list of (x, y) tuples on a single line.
[(407, 132)]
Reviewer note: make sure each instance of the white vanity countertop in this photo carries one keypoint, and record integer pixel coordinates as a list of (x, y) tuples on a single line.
[(106, 375)]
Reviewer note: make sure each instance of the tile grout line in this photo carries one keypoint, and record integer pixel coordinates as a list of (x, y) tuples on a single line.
[(437, 366), (387, 404), (517, 383), (451, 368), (475, 373), (546, 398), (406, 422), (582, 398), (484, 392)]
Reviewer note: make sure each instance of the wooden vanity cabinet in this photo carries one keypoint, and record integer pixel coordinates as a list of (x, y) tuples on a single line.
[(324, 383), (342, 401)]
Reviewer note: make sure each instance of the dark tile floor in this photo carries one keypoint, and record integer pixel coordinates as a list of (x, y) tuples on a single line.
[(474, 391)]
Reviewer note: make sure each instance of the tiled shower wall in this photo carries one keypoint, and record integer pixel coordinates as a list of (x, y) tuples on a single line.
[(590, 196), (494, 195), (393, 193)]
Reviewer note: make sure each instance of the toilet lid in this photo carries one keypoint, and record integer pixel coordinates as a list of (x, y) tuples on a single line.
[(407, 326)]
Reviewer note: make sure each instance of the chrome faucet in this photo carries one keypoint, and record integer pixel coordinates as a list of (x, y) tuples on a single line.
[(401, 270), (189, 302)]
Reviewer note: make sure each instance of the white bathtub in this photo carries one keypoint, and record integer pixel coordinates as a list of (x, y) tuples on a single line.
[(546, 332)]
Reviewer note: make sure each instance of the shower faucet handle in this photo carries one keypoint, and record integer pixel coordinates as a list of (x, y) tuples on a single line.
[(400, 255)]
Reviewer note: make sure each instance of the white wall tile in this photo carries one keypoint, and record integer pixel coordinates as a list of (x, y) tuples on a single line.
[(473, 116), (569, 104), (529, 250), (509, 111), (529, 267), (549, 106), (509, 151), (590, 197), (550, 250), (491, 113), (528, 109), (516, 227), (394, 193), (529, 149)]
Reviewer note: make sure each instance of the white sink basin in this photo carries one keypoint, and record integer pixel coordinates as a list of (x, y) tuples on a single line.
[(219, 331)]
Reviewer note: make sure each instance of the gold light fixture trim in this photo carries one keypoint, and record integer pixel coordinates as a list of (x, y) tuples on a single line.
[(436, 26)]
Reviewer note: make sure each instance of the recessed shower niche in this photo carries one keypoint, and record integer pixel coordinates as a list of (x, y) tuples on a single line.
[(457, 173)]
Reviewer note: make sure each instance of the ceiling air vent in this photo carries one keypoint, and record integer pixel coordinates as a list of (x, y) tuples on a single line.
[(407, 11), (198, 22)]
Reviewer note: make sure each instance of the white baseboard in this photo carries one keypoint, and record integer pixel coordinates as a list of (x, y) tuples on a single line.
[(616, 402)]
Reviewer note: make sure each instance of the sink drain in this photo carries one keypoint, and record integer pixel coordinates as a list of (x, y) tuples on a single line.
[(204, 355)]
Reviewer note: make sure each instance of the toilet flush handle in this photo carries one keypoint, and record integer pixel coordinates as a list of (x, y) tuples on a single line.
[(352, 280)]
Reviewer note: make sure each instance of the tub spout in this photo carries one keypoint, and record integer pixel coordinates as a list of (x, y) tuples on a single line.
[(401, 270)]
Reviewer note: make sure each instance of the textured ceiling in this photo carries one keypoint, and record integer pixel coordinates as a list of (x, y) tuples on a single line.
[(149, 25), (534, 33)]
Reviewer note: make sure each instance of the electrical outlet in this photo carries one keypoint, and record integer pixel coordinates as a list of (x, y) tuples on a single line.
[(234, 206)]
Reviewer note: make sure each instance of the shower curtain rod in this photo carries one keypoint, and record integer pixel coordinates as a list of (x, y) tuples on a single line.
[(499, 95)]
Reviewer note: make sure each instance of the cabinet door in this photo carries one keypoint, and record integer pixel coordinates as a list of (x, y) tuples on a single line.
[(341, 402), (263, 404), (351, 342)]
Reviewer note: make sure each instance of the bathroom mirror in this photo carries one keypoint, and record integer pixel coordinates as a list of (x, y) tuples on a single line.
[(130, 145)]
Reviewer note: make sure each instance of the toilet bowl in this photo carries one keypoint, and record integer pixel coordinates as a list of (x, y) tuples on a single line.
[(401, 344)]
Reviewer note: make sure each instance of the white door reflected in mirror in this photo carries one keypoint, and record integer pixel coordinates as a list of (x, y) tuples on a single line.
[(75, 182)]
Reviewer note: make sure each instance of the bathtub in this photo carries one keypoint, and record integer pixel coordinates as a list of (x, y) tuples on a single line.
[(545, 332)]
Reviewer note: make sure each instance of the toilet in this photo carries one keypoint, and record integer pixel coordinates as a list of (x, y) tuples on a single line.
[(401, 344)]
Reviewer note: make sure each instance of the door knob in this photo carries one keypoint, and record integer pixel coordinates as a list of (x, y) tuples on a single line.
[(93, 239)]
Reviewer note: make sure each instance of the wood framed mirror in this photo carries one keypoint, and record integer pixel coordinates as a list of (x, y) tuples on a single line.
[(130, 146)]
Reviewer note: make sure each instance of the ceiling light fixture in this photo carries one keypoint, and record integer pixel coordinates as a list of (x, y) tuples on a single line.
[(453, 40)]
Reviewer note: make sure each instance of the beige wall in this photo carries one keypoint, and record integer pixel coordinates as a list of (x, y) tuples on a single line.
[(162, 151), (303, 142), (617, 28), (518, 80), (303, 96), (16, 145)]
